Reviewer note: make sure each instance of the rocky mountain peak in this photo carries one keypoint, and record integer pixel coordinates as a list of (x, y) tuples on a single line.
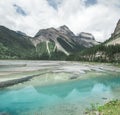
[(88, 36), (45, 31), (65, 30), (63, 27)]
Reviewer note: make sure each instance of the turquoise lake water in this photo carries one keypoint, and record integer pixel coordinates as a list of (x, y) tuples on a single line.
[(70, 97)]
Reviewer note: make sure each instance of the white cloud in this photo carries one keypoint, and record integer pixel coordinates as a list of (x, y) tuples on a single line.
[(99, 19)]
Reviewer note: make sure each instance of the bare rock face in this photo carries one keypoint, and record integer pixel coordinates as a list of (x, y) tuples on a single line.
[(63, 39), (117, 29), (86, 39), (88, 36), (115, 37), (65, 30)]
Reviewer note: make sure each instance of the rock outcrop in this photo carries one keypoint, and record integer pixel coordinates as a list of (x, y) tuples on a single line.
[(115, 37), (117, 29)]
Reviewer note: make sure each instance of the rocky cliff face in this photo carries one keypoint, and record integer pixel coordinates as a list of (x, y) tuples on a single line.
[(115, 37), (86, 39), (88, 36), (117, 29), (66, 31), (62, 39)]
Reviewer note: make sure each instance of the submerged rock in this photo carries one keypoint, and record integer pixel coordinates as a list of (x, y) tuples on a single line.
[(4, 113)]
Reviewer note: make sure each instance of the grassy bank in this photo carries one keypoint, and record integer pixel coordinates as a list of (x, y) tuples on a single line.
[(110, 108)]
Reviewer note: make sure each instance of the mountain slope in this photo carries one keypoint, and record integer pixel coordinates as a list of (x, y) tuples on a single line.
[(109, 51), (115, 37), (61, 39), (15, 44), (86, 39), (48, 43)]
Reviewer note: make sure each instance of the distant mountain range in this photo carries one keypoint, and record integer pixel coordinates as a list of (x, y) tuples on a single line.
[(58, 44), (51, 42)]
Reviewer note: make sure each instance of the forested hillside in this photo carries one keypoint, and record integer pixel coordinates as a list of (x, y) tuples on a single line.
[(99, 53)]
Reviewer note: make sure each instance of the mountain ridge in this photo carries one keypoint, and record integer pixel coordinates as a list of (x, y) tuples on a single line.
[(109, 51), (14, 44), (47, 43), (62, 37)]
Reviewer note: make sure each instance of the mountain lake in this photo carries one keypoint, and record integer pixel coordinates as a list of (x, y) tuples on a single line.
[(55, 87)]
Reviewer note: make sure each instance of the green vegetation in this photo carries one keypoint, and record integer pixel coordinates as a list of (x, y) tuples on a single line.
[(99, 53), (17, 46), (110, 108), (3, 51), (58, 55), (41, 49), (51, 46), (14, 45)]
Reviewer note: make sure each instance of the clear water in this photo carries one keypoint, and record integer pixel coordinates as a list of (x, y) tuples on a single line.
[(69, 97)]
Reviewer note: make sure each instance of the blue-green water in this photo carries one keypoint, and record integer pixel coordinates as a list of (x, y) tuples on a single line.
[(68, 98)]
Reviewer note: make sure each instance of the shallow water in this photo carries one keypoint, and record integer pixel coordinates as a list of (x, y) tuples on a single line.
[(54, 92)]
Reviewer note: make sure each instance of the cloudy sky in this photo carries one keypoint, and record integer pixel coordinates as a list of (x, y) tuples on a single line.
[(98, 17)]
